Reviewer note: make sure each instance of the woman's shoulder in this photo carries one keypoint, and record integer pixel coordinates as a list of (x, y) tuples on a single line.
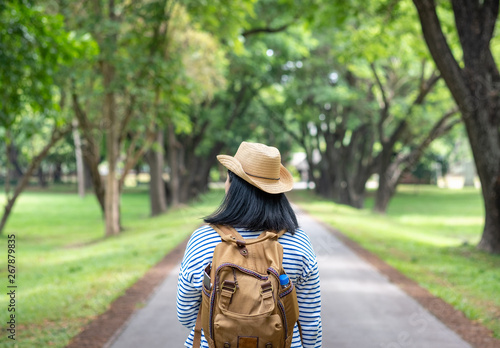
[(204, 230), (298, 241), (203, 235), (298, 235)]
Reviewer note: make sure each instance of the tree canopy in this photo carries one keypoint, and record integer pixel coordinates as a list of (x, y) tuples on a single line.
[(169, 84)]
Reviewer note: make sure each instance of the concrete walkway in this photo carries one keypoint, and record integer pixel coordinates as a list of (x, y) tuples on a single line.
[(360, 309)]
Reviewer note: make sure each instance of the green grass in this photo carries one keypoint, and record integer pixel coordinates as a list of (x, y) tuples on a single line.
[(429, 234), (67, 273)]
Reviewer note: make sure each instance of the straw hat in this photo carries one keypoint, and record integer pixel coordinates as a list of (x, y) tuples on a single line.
[(259, 165)]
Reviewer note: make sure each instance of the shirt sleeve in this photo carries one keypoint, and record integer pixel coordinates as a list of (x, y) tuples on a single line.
[(189, 286), (188, 301), (309, 298)]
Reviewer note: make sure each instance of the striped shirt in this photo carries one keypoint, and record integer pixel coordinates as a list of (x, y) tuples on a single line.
[(299, 262)]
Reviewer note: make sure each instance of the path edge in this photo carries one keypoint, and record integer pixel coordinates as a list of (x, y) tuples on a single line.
[(106, 327), (472, 332)]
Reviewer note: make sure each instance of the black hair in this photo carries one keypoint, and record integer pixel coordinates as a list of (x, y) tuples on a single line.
[(249, 207)]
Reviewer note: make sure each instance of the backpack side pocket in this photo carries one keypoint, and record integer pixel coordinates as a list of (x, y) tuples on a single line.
[(205, 313), (288, 297)]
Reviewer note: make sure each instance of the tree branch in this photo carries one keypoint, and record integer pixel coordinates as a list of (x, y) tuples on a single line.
[(126, 120), (397, 134), (439, 128), (426, 86), (384, 109), (490, 14), (441, 52), (57, 134), (132, 159), (276, 118), (379, 84), (84, 124), (267, 30)]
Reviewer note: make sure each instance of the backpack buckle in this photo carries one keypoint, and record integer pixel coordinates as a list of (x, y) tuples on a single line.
[(227, 290), (229, 286), (242, 247), (266, 287)]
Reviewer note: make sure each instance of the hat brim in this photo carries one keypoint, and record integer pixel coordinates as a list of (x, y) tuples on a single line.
[(284, 184)]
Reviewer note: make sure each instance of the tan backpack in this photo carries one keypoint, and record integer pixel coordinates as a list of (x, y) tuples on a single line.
[(243, 304)]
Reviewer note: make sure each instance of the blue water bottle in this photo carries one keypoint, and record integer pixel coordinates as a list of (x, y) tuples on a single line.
[(284, 281)]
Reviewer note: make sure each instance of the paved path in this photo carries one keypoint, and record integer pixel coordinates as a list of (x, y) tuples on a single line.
[(361, 309)]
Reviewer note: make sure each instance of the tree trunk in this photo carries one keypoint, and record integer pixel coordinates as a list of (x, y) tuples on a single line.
[(358, 187), (365, 163), (475, 89), (389, 177), (13, 154), (325, 185), (21, 185), (390, 173), (112, 194), (87, 176), (42, 182), (57, 174), (490, 240), (487, 161), (383, 197), (7, 168), (90, 151), (92, 161), (157, 195), (79, 160), (173, 163), (384, 191)]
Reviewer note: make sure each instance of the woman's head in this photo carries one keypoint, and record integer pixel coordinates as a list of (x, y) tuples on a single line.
[(255, 189), (259, 165), (249, 207)]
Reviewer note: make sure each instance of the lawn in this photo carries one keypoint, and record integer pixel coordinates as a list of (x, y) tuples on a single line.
[(67, 273), (429, 234)]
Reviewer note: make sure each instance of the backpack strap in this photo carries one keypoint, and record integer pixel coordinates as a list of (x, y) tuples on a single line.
[(280, 233), (197, 330), (229, 234), (270, 234), (226, 232)]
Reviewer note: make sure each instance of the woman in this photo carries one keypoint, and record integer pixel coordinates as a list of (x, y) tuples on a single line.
[(255, 202)]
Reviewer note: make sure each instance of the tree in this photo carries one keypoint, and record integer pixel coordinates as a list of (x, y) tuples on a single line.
[(139, 84), (204, 66), (362, 105), (33, 49), (324, 114), (411, 133), (228, 117), (133, 46), (155, 160), (475, 86)]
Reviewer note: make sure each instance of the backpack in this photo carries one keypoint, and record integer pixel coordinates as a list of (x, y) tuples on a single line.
[(243, 304)]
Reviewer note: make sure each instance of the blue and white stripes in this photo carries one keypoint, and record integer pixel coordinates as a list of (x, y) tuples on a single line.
[(299, 262)]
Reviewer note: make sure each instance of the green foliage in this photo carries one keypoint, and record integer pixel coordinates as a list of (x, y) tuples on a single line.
[(223, 18), (33, 48), (202, 68), (255, 71), (37, 56)]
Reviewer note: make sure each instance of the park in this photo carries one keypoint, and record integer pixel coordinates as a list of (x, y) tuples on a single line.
[(386, 113)]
